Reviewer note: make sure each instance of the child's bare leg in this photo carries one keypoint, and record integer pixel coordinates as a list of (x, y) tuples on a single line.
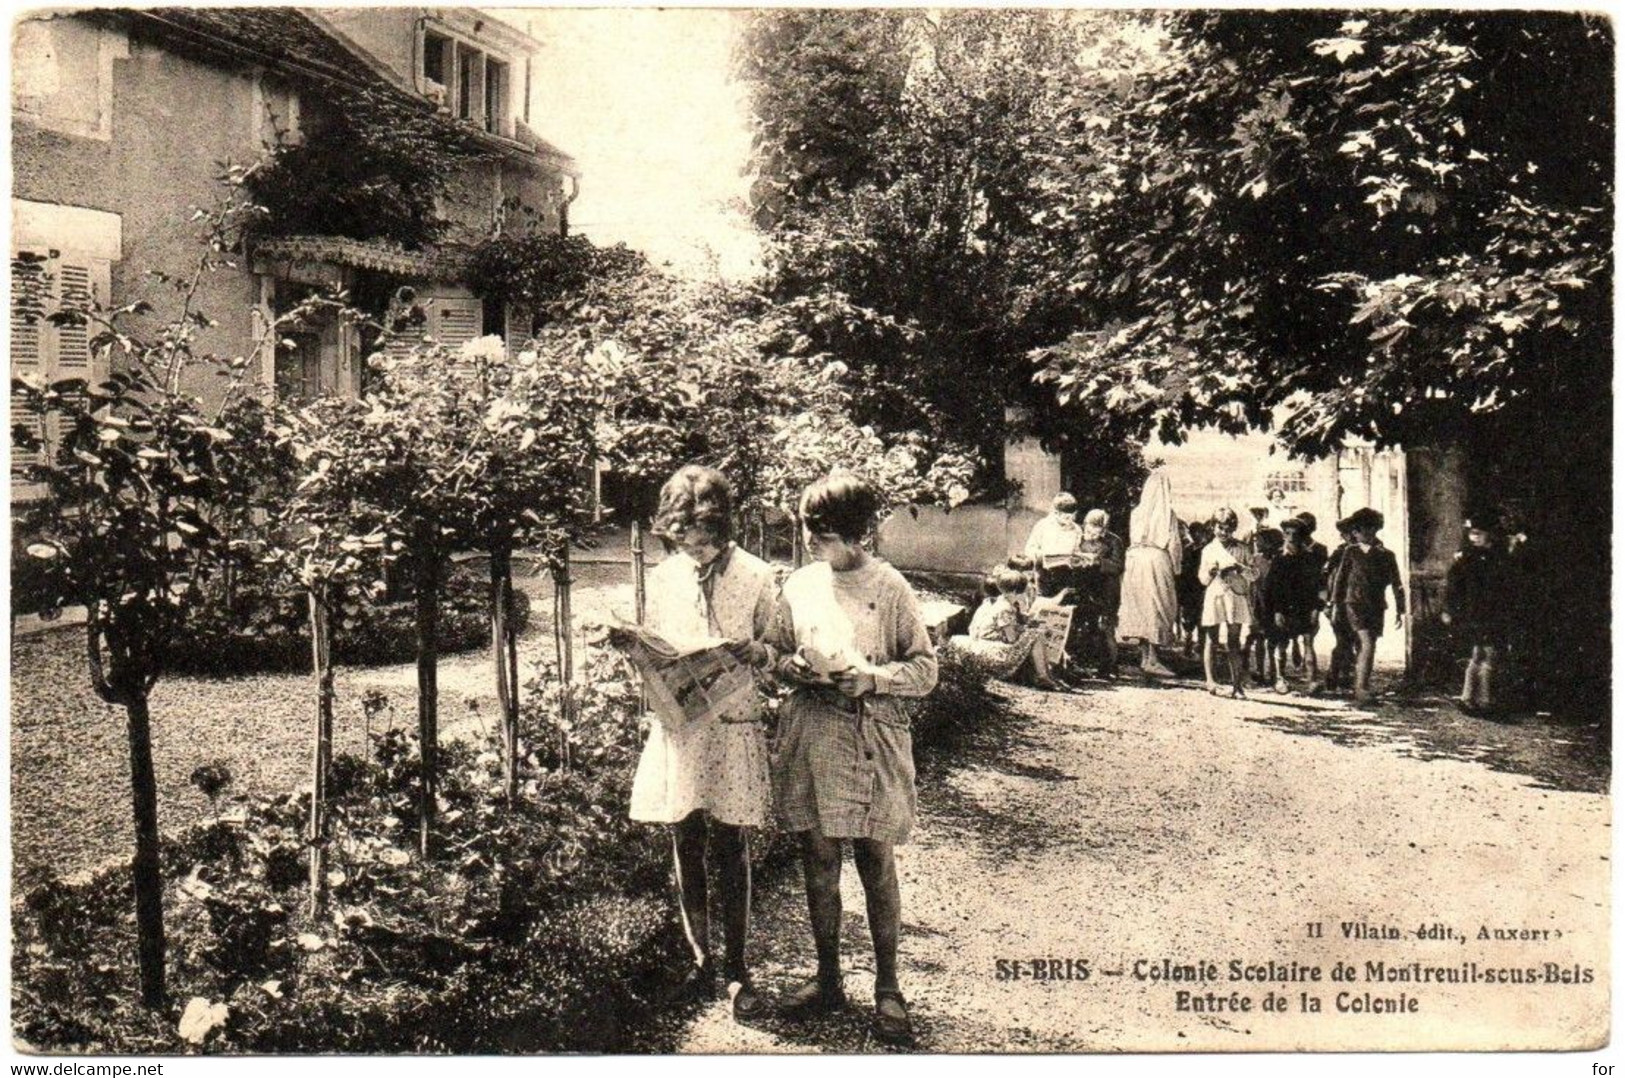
[(1232, 652), (1209, 641), (1038, 659), (1309, 657)]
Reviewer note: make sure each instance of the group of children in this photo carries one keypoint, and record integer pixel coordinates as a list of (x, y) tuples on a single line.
[(1262, 602), (1257, 602), (845, 636), (1080, 566)]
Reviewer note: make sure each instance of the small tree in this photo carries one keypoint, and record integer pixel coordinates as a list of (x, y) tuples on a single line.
[(135, 471), (532, 433), (330, 543)]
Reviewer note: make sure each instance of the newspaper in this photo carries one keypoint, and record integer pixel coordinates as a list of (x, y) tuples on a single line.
[(1054, 620), (687, 680)]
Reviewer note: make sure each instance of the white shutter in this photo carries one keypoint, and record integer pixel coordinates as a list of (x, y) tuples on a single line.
[(31, 302), (74, 291), (516, 333), (454, 322)]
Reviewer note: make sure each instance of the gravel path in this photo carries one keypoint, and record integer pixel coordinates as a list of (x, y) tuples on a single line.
[(70, 779), (1142, 823)]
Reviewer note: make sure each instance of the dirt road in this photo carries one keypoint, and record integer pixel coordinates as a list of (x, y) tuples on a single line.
[(1131, 825)]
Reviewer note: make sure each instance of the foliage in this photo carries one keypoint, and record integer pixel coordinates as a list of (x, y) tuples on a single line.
[(896, 155), (366, 164), (537, 269), (138, 474), (263, 625), (717, 373), (413, 957), (1340, 218)]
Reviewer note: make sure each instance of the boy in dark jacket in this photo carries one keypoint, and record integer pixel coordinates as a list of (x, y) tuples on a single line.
[(1359, 592), (1478, 606), (1098, 575), (1294, 600)]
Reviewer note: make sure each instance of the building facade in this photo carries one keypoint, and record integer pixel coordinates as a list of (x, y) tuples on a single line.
[(123, 121)]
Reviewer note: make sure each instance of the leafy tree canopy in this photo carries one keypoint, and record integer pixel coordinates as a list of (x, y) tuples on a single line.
[(1386, 225), (896, 155)]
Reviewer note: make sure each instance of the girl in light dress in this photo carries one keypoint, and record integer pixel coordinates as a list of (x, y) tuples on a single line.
[(1225, 574), (708, 780)]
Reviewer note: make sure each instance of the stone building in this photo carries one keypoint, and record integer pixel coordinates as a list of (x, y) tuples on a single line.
[(123, 119)]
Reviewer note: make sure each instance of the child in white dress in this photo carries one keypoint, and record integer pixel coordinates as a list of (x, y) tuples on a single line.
[(1226, 575), (709, 778)]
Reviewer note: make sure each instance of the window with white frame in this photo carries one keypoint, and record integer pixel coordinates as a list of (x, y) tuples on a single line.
[(466, 80)]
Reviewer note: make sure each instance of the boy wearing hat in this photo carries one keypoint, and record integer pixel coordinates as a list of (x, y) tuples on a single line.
[(1359, 591)]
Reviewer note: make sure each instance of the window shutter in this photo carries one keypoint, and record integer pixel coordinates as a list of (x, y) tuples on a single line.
[(74, 291), (456, 321), (517, 333), (31, 301)]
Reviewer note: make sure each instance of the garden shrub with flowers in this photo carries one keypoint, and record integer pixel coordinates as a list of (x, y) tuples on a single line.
[(543, 925)]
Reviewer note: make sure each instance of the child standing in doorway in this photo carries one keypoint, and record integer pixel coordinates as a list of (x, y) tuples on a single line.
[(1477, 602)]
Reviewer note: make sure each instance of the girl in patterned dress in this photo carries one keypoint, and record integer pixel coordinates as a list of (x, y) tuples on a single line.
[(849, 636), (709, 779)]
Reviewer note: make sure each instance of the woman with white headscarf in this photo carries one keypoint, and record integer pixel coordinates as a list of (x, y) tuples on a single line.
[(1149, 610)]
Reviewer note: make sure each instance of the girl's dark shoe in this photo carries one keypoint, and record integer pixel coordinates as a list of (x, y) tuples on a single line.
[(813, 997), (748, 1004), (891, 1022), (698, 984)]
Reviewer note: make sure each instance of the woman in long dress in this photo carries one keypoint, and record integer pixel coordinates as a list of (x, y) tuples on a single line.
[(1149, 610)]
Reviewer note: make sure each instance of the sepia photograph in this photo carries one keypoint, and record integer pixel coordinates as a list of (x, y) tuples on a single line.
[(859, 531)]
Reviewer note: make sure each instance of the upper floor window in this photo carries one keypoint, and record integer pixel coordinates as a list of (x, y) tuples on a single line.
[(467, 81), (436, 54)]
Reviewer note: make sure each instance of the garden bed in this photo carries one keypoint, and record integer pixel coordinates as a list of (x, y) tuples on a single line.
[(541, 927)]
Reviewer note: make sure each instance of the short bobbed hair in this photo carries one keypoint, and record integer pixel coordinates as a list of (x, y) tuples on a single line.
[(1010, 581), (695, 497), (1064, 503), (840, 504)]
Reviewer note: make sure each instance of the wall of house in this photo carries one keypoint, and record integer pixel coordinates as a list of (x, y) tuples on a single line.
[(473, 198), (164, 121), (389, 34)]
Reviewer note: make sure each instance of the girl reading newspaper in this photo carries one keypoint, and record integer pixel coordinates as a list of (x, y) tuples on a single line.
[(708, 777)]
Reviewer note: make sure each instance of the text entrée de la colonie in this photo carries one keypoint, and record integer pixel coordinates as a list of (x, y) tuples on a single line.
[(1272, 972)]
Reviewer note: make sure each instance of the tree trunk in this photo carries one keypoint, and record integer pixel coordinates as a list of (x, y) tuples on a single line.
[(796, 552), (566, 652), (503, 657), (145, 869), (428, 616), (638, 580), (321, 653), (639, 597)]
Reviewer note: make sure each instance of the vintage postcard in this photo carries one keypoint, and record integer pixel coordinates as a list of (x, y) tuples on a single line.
[(1143, 478)]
